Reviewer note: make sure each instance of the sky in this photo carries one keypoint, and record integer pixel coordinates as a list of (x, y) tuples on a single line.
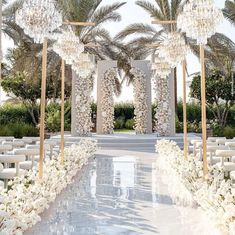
[(131, 13)]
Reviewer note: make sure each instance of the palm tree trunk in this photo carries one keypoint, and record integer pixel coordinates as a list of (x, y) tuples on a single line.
[(175, 87)]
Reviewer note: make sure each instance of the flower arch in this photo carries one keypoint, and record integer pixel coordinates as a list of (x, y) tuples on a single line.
[(140, 101)]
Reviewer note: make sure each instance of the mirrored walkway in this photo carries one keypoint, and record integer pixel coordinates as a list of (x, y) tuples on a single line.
[(120, 192)]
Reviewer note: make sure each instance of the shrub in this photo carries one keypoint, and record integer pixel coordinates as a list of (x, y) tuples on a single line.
[(10, 113), (119, 123), (229, 132), (130, 124), (18, 130)]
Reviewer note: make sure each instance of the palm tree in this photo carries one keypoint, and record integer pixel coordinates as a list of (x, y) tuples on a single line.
[(72, 10), (91, 11), (229, 11), (147, 34)]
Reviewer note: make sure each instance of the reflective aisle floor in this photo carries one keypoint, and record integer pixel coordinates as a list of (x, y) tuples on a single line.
[(119, 193)]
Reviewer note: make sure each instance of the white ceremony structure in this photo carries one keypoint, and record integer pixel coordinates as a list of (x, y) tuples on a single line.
[(143, 77), (105, 109)]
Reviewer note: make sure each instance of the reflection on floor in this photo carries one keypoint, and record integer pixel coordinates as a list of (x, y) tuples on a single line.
[(119, 193)]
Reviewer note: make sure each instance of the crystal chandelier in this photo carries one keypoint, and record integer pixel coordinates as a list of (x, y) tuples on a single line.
[(83, 66), (38, 18), (161, 67), (199, 20), (173, 48), (68, 46)]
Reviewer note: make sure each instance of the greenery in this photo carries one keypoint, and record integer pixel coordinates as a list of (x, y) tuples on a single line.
[(219, 98), (18, 130)]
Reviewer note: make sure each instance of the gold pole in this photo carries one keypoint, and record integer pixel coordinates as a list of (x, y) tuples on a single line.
[(185, 111), (163, 21), (1, 40), (62, 112), (203, 101), (43, 105), (80, 23)]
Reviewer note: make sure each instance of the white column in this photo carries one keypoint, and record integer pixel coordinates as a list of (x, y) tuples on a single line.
[(103, 66), (144, 65)]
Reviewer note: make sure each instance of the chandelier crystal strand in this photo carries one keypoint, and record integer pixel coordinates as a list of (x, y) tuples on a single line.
[(83, 66), (68, 46), (38, 18), (161, 67), (199, 20), (173, 48)]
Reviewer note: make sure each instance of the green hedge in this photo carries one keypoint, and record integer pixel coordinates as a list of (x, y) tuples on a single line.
[(194, 113), (124, 117), (18, 130), (15, 113)]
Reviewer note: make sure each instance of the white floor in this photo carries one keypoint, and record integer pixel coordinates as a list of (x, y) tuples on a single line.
[(120, 192)]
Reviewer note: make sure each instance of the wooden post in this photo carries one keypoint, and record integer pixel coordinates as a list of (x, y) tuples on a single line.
[(62, 112), (43, 106), (1, 40), (203, 104), (185, 111)]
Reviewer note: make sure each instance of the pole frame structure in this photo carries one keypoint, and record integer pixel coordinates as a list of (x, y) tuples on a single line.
[(42, 107), (43, 100), (203, 107), (185, 110), (62, 111)]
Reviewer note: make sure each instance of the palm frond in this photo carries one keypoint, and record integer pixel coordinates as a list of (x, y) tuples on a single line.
[(229, 11), (137, 28)]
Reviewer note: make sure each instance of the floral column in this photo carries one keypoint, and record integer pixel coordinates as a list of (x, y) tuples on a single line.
[(107, 101), (163, 110), (140, 102), (81, 107)]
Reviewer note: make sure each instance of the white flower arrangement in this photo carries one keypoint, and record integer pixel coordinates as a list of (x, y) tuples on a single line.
[(215, 194), (27, 196), (140, 101), (107, 101), (83, 89), (163, 111)]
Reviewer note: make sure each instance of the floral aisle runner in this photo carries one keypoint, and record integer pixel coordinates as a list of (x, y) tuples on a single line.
[(215, 195), (27, 197)]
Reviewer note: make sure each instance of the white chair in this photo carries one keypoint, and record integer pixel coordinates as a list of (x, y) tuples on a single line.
[(9, 173), (37, 146), (231, 145), (5, 148), (31, 155), (18, 143), (30, 140), (7, 138), (224, 141), (214, 139), (226, 154), (198, 148), (232, 175), (211, 150)]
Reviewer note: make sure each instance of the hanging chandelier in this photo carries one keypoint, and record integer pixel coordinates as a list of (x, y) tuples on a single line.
[(199, 20), (68, 46), (38, 18), (83, 66), (173, 48), (161, 67)]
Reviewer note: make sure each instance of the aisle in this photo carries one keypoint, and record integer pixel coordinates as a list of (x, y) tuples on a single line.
[(120, 192)]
